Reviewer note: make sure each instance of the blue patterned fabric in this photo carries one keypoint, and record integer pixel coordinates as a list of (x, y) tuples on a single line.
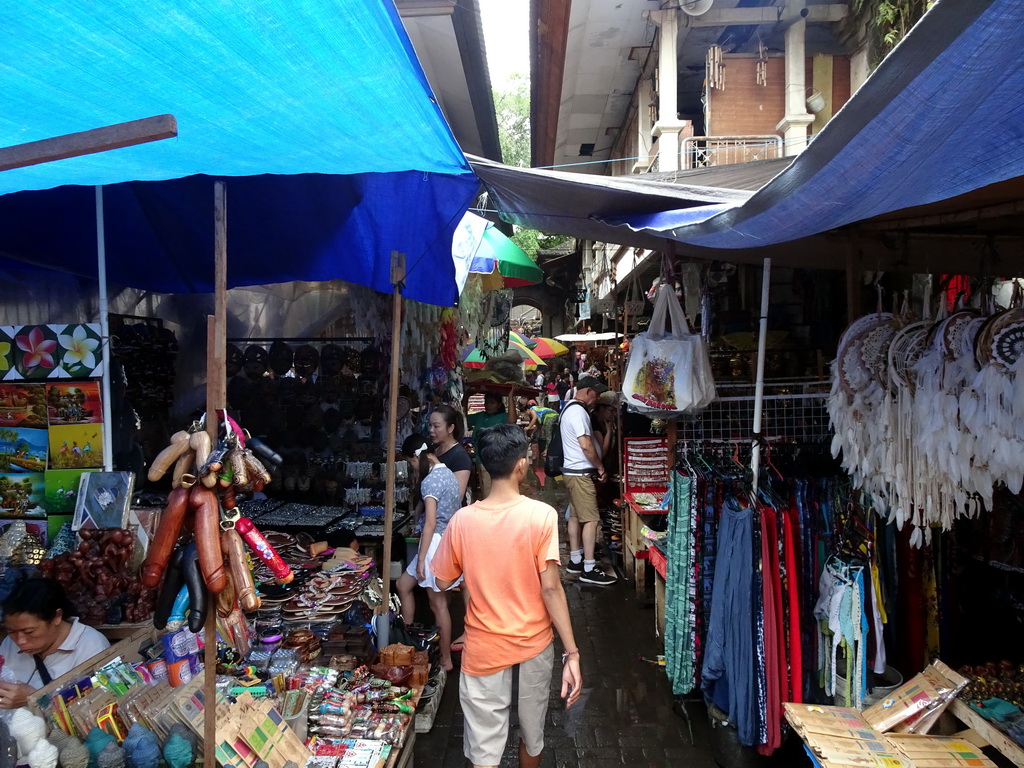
[(679, 587)]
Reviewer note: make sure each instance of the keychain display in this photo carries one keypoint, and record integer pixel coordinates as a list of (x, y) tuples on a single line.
[(198, 554)]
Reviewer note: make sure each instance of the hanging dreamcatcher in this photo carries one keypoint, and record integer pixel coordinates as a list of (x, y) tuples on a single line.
[(492, 341)]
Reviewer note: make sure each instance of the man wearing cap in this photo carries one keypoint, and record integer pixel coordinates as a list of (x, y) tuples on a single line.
[(583, 468)]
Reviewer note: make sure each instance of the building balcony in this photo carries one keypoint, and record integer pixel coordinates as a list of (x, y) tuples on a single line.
[(708, 151)]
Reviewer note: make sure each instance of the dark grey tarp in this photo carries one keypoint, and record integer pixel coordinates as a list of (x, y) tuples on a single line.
[(574, 203)]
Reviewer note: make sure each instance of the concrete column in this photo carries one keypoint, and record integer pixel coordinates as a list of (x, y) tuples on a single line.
[(669, 125), (794, 125)]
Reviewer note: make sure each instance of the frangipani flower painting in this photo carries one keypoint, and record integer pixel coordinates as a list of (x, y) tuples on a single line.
[(35, 352), (50, 351), (80, 348)]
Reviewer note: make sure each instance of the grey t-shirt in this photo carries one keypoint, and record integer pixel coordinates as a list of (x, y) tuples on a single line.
[(440, 484)]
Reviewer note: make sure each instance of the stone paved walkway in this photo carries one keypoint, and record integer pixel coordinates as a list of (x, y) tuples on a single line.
[(625, 715)]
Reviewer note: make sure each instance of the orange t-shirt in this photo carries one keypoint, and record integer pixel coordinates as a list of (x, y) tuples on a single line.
[(501, 551)]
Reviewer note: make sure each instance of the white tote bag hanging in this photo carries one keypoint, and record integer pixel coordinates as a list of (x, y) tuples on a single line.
[(668, 372)]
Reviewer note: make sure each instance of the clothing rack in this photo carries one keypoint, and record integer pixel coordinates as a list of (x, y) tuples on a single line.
[(794, 411)]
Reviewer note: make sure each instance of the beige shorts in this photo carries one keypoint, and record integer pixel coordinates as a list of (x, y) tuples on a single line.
[(486, 702), (582, 498)]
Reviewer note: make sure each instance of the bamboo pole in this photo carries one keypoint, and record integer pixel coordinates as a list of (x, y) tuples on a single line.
[(383, 623), (216, 400)]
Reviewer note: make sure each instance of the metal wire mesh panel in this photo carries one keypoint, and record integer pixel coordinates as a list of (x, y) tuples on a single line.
[(792, 412)]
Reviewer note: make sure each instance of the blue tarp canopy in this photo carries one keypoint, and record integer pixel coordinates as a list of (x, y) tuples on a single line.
[(315, 111), (942, 116)]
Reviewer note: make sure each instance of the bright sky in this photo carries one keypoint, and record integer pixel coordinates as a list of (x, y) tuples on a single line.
[(506, 38)]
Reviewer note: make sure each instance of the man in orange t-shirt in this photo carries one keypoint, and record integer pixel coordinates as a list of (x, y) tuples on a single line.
[(507, 548)]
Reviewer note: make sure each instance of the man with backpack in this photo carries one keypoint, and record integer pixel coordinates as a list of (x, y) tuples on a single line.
[(582, 468)]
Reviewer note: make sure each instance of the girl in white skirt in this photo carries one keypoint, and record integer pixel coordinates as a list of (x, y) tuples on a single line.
[(439, 490)]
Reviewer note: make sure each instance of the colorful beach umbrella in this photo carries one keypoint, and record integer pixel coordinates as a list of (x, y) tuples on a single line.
[(472, 358), (546, 348), (518, 338), (503, 263)]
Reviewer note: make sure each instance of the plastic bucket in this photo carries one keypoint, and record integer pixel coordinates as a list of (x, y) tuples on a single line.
[(884, 684)]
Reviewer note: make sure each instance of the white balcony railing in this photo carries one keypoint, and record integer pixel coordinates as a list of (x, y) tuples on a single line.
[(706, 151)]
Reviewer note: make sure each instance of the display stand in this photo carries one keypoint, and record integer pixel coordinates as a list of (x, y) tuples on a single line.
[(987, 732), (645, 470)]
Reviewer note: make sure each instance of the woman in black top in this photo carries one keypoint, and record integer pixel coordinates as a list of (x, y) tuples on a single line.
[(446, 431)]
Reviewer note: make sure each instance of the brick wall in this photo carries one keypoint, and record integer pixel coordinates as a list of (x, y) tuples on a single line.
[(745, 108)]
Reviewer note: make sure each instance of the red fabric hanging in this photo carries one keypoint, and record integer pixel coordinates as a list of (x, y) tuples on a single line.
[(796, 669)]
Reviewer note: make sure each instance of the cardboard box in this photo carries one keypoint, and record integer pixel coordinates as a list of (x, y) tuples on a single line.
[(916, 705), (939, 752)]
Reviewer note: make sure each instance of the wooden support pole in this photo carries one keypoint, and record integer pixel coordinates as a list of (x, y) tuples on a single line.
[(397, 280), (216, 400), (89, 142), (853, 277)]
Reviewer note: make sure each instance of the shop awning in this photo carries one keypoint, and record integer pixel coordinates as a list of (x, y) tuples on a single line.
[(317, 113), (576, 204), (940, 117)]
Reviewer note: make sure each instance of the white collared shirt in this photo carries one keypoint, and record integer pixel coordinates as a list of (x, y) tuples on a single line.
[(81, 644)]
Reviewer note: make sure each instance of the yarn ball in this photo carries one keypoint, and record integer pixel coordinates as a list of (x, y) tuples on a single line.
[(58, 738), (43, 756), (142, 748), (188, 735), (74, 754), (96, 742), (260, 764), (27, 728), (112, 756), (178, 752), (8, 747)]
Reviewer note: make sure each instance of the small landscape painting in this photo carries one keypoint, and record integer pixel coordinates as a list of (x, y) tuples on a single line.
[(22, 495), (22, 450), (22, 405), (62, 490), (74, 403)]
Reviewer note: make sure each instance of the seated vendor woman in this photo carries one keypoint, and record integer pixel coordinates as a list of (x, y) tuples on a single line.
[(43, 640)]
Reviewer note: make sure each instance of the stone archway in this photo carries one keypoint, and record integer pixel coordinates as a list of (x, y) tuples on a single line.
[(527, 317)]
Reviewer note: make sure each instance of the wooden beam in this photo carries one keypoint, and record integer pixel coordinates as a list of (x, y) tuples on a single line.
[(549, 34), (772, 14), (89, 142), (216, 400), (397, 280), (1001, 210)]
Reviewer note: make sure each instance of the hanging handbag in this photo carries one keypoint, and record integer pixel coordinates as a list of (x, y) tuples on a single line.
[(635, 300), (668, 372)]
